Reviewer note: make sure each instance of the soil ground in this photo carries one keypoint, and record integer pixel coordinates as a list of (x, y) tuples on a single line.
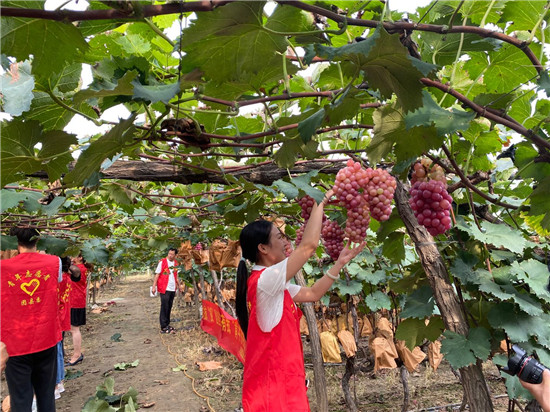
[(134, 315)]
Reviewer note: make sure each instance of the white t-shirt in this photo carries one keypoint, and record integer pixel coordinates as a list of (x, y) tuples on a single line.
[(171, 287), (270, 294)]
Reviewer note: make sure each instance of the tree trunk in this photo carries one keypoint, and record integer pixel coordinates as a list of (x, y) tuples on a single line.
[(473, 381), (195, 294), (404, 375), (203, 289), (319, 380), (217, 288), (266, 174), (350, 371)]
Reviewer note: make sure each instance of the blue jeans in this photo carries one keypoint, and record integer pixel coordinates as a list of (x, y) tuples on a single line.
[(60, 363)]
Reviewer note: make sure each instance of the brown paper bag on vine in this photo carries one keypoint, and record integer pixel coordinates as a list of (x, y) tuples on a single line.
[(330, 348), (231, 255), (434, 354), (384, 353), (410, 359), (348, 342)]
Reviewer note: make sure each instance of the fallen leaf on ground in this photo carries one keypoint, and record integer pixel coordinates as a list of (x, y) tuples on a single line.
[(209, 365), (147, 341), (161, 382), (147, 405)]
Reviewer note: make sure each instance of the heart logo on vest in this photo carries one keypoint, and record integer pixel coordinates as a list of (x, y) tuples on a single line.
[(30, 287)]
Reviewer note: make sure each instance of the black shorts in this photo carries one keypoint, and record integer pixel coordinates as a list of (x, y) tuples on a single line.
[(78, 316)]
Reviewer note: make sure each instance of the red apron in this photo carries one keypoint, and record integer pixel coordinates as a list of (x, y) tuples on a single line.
[(274, 373), (78, 289), (29, 313), (162, 282)]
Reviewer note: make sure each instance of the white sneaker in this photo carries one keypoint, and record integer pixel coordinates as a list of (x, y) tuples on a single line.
[(57, 393), (61, 387)]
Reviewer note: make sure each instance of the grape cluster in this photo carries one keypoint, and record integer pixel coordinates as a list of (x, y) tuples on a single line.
[(299, 234), (333, 238), (364, 193), (425, 170), (431, 205), (306, 203), (380, 190), (198, 246), (357, 223)]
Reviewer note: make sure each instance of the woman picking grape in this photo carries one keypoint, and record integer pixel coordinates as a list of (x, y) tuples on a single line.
[(274, 373)]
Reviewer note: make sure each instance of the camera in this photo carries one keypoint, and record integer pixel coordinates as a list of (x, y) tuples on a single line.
[(526, 367)]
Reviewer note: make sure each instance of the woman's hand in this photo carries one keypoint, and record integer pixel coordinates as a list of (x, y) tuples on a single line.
[(349, 253), (541, 391), (327, 197)]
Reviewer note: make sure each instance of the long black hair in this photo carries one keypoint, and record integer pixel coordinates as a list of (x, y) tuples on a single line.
[(254, 234)]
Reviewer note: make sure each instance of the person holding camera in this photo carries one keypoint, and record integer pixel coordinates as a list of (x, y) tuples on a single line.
[(274, 373), (540, 391)]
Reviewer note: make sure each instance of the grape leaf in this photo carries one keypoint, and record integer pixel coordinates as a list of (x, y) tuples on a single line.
[(535, 275), (414, 331), (155, 93), (309, 126), (390, 130), (376, 301), (41, 38), (445, 121), (507, 64), (352, 287), (523, 15), (544, 82), (10, 198), (246, 49), (518, 325), (499, 235), (103, 148), (52, 245), (386, 63), (419, 304), (394, 247), (462, 351), (17, 87)]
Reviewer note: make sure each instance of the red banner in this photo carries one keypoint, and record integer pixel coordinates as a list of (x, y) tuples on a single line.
[(225, 328)]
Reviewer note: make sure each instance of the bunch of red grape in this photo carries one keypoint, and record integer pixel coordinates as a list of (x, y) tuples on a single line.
[(430, 200), (333, 238), (380, 190), (357, 223), (364, 193), (306, 203), (198, 246), (299, 234), (425, 170), (431, 205)]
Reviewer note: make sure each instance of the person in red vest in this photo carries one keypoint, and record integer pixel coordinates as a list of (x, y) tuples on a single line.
[(274, 374), (166, 282), (30, 325), (77, 300), (71, 273)]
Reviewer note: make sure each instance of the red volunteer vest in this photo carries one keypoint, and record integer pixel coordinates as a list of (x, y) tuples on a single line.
[(274, 373), (78, 289), (29, 313), (64, 303), (162, 282)]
